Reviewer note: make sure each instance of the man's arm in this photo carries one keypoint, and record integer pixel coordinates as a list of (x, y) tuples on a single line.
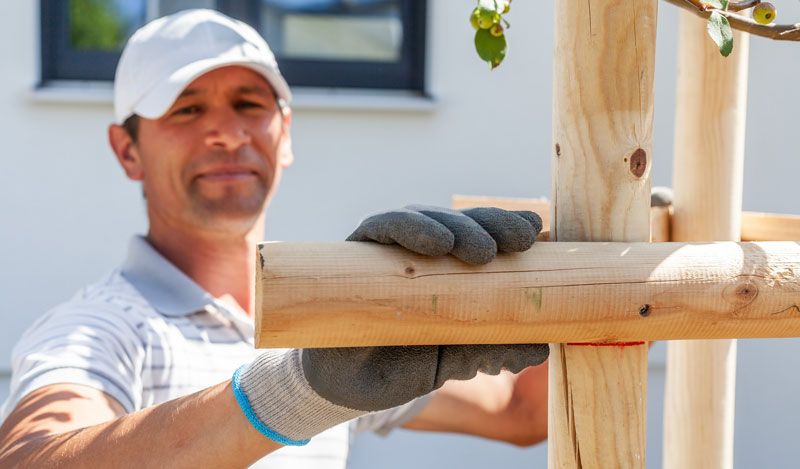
[(69, 425), (506, 407)]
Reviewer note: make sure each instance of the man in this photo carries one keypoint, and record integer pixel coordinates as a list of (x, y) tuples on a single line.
[(136, 369)]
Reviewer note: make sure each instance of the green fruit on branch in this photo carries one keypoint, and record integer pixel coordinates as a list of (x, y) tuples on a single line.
[(764, 13), (486, 17), (488, 20), (496, 30), (474, 19)]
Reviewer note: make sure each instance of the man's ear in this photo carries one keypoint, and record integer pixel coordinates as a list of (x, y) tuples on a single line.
[(126, 151), (285, 152)]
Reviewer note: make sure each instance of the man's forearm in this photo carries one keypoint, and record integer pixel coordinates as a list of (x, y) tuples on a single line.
[(511, 408), (205, 429)]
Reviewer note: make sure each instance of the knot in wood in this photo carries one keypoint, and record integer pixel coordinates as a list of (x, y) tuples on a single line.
[(410, 271), (558, 150), (741, 294), (638, 162), (746, 291)]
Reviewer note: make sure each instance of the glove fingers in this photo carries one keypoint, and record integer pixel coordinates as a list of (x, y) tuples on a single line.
[(533, 218), (471, 243), (465, 361), (413, 231), (513, 231)]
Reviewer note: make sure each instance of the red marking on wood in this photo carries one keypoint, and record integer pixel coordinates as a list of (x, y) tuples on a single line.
[(608, 344)]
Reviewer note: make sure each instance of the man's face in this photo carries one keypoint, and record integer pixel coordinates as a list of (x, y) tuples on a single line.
[(214, 159)]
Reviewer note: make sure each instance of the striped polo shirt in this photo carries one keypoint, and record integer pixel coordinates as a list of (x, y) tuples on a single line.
[(146, 334)]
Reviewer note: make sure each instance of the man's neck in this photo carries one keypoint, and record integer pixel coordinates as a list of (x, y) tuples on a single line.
[(221, 265)]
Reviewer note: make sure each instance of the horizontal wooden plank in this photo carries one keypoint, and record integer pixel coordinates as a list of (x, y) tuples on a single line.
[(362, 294), (541, 205), (770, 227), (756, 226), (659, 216)]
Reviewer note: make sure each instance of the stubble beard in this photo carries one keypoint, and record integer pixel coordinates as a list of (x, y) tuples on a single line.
[(236, 208)]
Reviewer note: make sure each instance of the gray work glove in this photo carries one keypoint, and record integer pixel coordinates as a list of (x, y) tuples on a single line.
[(290, 396), (473, 235)]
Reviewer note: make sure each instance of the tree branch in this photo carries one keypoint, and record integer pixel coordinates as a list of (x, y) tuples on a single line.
[(743, 5), (779, 32)]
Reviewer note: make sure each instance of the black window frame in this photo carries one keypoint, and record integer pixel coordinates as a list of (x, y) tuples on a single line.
[(61, 62)]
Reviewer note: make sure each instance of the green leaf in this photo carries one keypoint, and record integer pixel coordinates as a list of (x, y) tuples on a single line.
[(718, 4), (490, 48), (720, 31)]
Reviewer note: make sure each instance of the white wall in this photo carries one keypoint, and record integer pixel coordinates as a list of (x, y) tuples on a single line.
[(67, 210), (4, 383)]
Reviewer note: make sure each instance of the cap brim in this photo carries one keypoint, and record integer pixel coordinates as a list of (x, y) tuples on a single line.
[(158, 101)]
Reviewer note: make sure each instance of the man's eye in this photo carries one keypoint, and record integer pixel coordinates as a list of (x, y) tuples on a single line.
[(248, 105), (187, 110)]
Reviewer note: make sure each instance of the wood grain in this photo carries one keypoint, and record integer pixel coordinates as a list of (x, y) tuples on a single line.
[(614, 366), (364, 294), (604, 61), (707, 182), (770, 227)]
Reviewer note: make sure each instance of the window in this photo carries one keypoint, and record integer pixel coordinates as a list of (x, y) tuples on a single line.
[(378, 44)]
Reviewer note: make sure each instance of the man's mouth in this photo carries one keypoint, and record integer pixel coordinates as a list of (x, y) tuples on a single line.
[(228, 175)]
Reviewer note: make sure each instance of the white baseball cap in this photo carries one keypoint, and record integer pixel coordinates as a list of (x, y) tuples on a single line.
[(167, 54)]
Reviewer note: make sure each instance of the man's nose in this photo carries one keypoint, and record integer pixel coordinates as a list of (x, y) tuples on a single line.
[(226, 130)]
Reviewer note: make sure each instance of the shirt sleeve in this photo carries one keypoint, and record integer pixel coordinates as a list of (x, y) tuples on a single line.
[(89, 344), (385, 421)]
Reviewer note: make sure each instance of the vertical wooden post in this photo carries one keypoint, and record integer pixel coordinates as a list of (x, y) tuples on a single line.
[(707, 180), (602, 140)]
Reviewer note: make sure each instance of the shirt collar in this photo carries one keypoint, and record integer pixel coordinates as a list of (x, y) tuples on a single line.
[(170, 291)]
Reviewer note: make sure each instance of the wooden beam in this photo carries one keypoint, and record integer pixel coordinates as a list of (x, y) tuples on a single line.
[(364, 294), (541, 205), (660, 224), (707, 182), (756, 226), (603, 72), (770, 227), (659, 216), (611, 369)]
